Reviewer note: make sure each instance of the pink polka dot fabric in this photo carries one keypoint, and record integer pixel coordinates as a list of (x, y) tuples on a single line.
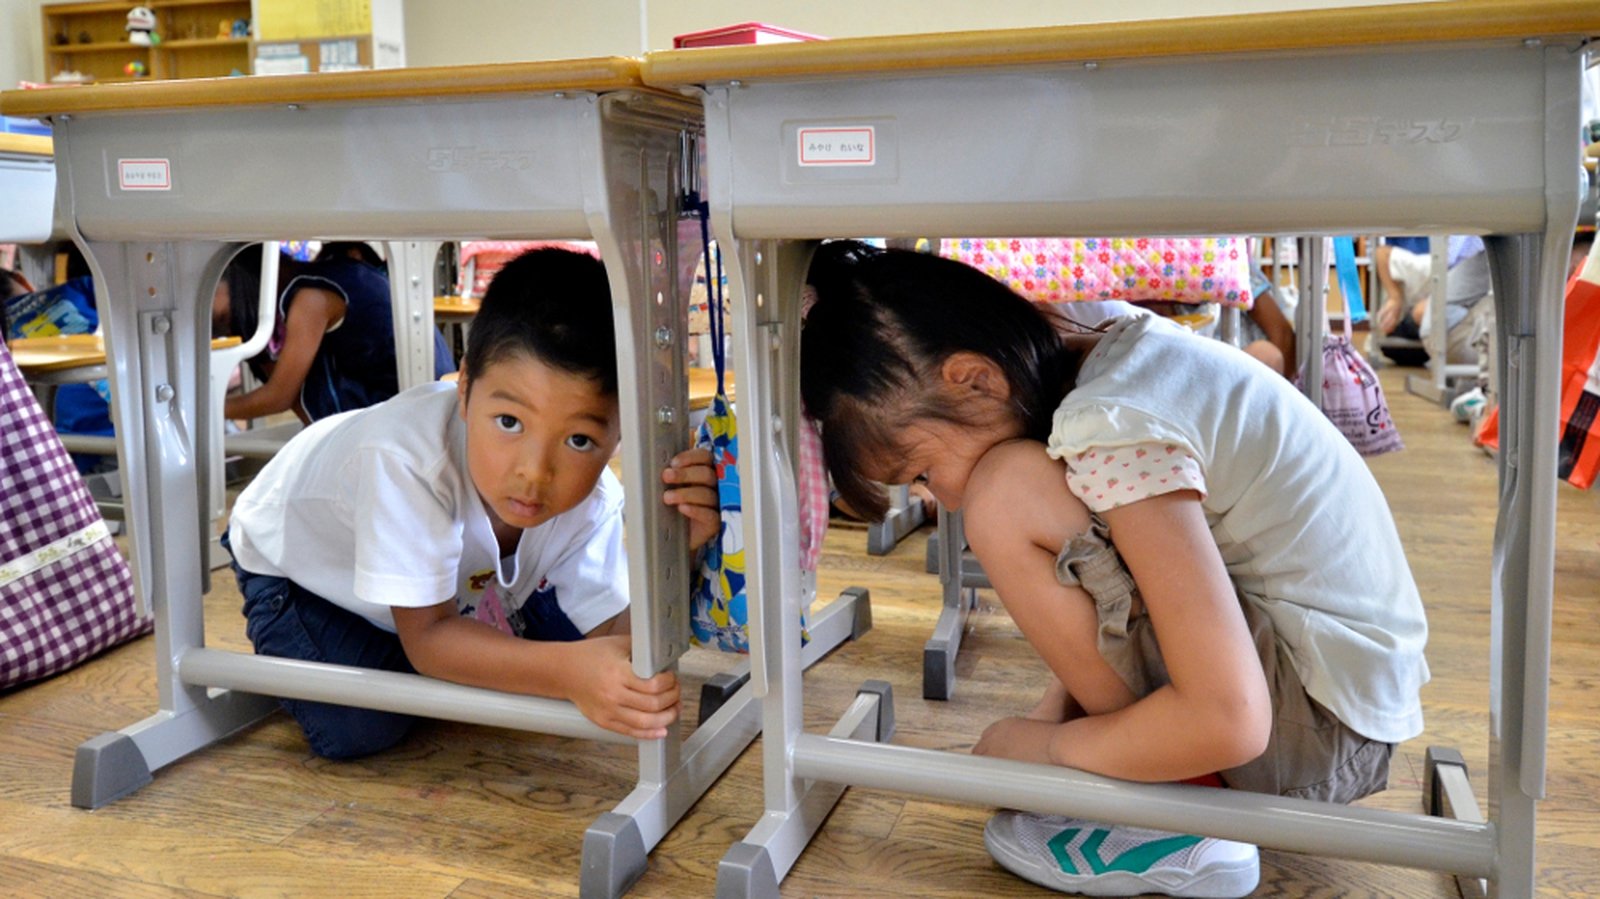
[(1107, 478), (1134, 269)]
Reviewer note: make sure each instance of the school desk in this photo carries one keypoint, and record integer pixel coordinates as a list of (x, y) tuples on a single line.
[(1457, 117), (160, 181)]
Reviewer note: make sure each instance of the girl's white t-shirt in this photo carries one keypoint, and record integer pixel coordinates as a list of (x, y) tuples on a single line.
[(374, 508), (1302, 525)]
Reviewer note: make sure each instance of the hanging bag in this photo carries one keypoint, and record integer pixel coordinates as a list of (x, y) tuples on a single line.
[(1352, 398), (718, 605)]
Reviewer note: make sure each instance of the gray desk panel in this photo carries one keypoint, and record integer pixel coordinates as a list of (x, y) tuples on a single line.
[(1311, 144), (497, 168)]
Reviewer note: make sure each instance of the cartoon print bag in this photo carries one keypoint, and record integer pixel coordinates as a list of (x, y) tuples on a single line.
[(1352, 398), (718, 605)]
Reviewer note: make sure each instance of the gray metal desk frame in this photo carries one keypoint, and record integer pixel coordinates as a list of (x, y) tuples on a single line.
[(507, 163), (1471, 136)]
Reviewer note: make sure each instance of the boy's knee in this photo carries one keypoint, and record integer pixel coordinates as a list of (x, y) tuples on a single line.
[(341, 733)]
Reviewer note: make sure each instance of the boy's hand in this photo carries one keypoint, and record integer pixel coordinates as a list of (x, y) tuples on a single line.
[(692, 489), (607, 692)]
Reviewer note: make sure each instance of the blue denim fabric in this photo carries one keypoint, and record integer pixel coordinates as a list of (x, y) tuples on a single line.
[(285, 620)]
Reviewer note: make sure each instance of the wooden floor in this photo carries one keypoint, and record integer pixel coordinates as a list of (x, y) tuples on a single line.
[(465, 811)]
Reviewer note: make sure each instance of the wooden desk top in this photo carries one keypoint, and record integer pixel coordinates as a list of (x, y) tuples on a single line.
[(456, 307), (27, 145), (38, 355), (1305, 29), (594, 74)]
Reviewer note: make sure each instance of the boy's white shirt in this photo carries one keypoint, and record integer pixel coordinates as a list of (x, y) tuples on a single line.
[(1303, 527), (375, 508)]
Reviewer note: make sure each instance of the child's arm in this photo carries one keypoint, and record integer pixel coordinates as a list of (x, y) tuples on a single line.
[(1214, 715), (312, 310), (595, 674)]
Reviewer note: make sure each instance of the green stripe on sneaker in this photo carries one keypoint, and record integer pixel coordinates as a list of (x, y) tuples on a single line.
[(1058, 848), (1137, 860)]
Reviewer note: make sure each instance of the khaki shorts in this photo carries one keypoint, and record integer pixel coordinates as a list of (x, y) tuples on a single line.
[(1311, 754)]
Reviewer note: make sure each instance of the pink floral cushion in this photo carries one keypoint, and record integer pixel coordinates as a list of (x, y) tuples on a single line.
[(1135, 269)]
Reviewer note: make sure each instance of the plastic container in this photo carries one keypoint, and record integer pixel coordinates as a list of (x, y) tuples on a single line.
[(743, 33)]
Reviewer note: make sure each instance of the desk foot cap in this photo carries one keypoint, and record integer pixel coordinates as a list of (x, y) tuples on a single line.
[(613, 856), (107, 768), (885, 694), (746, 871), (718, 689)]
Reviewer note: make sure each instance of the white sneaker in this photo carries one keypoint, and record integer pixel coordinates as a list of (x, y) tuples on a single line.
[(1468, 406), (1076, 856)]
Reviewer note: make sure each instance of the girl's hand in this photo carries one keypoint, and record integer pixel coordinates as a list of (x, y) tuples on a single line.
[(692, 481), (607, 692), (1020, 739)]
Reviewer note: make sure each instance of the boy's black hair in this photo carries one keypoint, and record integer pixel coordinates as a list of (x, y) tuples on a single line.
[(553, 305), (883, 323)]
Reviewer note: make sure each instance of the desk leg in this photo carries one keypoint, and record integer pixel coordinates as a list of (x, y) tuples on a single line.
[(632, 203), (1311, 318), (765, 278), (149, 297), (904, 516), (939, 654), (411, 304), (1529, 299)]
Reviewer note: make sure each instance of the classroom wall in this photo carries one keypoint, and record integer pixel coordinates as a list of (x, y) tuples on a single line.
[(21, 43), (481, 31)]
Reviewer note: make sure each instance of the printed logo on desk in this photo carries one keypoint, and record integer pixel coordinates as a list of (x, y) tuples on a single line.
[(144, 174), (838, 146)]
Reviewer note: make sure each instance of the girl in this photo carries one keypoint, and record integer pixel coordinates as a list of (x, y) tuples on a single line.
[(1255, 601), (332, 346)]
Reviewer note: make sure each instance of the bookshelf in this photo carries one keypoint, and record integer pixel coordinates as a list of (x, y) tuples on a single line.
[(196, 40)]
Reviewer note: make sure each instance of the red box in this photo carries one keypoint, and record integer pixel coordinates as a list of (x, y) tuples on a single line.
[(743, 33)]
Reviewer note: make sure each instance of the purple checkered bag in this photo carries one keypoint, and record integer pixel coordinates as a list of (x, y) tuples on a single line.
[(66, 593)]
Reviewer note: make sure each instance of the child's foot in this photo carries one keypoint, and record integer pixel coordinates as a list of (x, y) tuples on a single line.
[(1468, 406), (1076, 856)]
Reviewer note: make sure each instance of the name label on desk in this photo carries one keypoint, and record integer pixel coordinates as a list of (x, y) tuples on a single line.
[(838, 146), (144, 174)]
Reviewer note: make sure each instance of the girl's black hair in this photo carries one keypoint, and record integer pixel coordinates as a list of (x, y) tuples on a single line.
[(883, 324), (243, 278), (357, 250), (553, 305)]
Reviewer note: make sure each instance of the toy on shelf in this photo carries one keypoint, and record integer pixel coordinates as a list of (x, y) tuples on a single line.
[(135, 69), (142, 27)]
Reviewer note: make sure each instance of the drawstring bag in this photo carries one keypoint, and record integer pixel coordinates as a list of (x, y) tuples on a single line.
[(1352, 398), (719, 614)]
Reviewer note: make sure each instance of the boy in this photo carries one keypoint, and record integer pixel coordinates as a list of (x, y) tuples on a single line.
[(473, 535)]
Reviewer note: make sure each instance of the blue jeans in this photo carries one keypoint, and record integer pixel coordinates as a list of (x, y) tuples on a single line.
[(286, 620)]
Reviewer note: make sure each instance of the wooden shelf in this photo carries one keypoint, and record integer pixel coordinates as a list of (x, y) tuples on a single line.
[(190, 47)]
